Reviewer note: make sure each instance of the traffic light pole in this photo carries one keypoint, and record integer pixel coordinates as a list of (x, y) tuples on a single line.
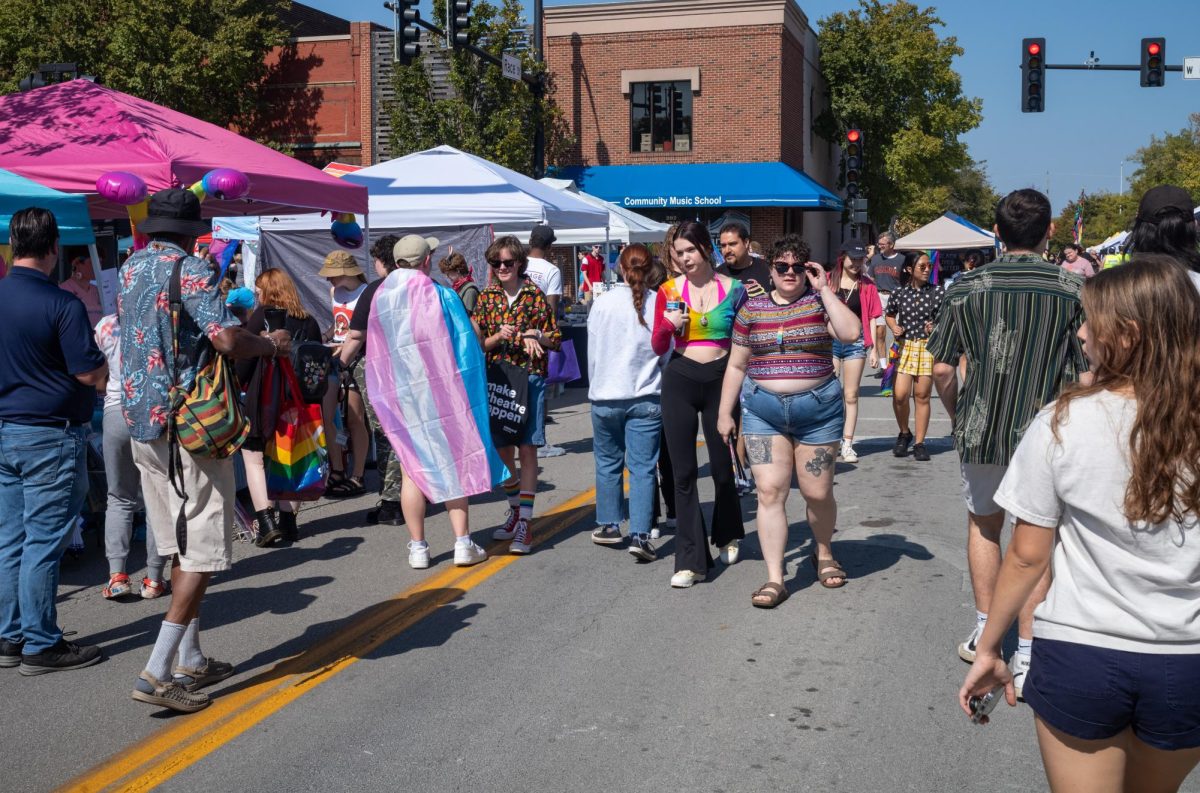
[(1106, 67)]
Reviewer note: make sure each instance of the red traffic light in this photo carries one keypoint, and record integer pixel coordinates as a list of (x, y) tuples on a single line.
[(853, 136), (1035, 48), (1154, 48)]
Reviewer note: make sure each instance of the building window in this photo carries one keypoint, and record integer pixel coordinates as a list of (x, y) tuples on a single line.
[(661, 116)]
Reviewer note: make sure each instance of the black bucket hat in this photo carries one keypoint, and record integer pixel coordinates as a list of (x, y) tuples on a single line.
[(174, 211)]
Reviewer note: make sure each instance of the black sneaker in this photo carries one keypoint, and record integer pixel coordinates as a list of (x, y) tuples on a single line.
[(10, 653), (386, 514), (640, 547), (919, 453), (902, 442), (60, 658), (607, 535)]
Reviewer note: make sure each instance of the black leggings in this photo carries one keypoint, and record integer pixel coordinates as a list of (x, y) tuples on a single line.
[(666, 479), (690, 388)]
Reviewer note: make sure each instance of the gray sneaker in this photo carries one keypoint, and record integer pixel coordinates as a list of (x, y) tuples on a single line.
[(640, 548), (607, 535), (195, 678), (169, 695)]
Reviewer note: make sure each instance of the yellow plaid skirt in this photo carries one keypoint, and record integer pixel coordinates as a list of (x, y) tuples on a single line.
[(915, 360)]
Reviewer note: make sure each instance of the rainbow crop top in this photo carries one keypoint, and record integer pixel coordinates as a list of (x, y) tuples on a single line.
[(713, 328)]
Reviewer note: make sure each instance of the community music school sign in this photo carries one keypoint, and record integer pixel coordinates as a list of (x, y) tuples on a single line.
[(671, 201)]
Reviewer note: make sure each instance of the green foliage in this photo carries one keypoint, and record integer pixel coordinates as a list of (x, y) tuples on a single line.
[(488, 115), (1171, 159), (891, 75), (968, 194), (200, 57), (1104, 214)]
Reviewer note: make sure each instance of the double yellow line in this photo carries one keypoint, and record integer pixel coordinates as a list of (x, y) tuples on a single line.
[(164, 754)]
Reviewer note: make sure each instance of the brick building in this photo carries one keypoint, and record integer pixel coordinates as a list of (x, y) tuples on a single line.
[(698, 109)]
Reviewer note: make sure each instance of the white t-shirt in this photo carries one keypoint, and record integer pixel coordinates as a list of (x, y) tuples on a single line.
[(545, 276), (108, 339), (344, 302), (1116, 585)]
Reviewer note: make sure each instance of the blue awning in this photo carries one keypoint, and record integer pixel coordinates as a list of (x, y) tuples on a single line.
[(70, 210), (696, 185)]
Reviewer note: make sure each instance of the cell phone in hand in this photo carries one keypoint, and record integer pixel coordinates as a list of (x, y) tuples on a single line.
[(982, 706)]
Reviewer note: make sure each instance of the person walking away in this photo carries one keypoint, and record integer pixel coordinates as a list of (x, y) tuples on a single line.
[(50, 368), (691, 394), (857, 292), (388, 511), (518, 327), (1016, 320), (277, 292), (781, 371), (1166, 224), (121, 476), (404, 385), (455, 268), (347, 282), (1105, 487), (625, 381), (910, 316), (152, 374)]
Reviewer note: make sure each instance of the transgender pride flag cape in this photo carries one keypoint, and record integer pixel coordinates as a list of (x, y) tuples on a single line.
[(427, 382)]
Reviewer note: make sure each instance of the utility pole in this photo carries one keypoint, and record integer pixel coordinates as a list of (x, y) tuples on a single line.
[(539, 96)]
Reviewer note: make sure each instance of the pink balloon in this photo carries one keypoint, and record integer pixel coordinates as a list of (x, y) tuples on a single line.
[(121, 188), (226, 184)]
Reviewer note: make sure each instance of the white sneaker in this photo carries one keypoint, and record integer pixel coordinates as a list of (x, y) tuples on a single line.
[(1019, 666), (509, 529), (848, 454), (685, 578), (522, 539), (418, 555), (729, 553), (966, 650), (655, 533), (469, 554)]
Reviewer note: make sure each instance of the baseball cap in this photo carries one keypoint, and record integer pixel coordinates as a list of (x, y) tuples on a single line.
[(339, 263), (1163, 199), (413, 248), (854, 250), (542, 236)]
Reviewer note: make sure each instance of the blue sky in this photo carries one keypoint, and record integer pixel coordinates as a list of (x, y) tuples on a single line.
[(1093, 120)]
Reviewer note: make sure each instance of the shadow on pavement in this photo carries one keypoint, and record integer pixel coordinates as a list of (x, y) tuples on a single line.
[(859, 558)]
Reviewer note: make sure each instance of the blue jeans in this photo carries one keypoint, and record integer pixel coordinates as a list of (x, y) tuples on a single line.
[(43, 482), (625, 434)]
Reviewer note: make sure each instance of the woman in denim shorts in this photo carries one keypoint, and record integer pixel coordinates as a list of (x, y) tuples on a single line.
[(858, 292), (1106, 485), (781, 366)]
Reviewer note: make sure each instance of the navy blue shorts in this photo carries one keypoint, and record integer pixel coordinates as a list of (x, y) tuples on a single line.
[(1093, 693)]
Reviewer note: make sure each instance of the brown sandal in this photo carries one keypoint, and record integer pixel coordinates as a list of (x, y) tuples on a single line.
[(827, 569), (774, 594)]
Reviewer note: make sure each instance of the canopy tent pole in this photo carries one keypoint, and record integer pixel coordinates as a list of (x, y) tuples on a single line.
[(108, 296), (367, 242)]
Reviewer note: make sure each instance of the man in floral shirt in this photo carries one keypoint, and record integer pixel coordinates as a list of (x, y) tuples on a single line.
[(148, 376)]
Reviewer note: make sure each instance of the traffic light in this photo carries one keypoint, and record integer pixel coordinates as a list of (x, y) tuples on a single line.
[(1033, 75), (854, 161), (408, 35), (860, 212), (1154, 55), (460, 23)]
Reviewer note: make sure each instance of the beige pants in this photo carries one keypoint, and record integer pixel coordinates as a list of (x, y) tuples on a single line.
[(209, 486)]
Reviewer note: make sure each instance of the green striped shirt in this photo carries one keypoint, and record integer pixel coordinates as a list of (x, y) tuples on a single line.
[(1016, 321)]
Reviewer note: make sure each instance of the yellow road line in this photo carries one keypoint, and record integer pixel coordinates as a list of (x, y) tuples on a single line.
[(190, 738)]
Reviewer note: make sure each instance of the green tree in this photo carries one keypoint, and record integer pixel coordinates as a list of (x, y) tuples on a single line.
[(891, 75), (1104, 214), (487, 114), (1171, 159), (200, 57), (969, 193)]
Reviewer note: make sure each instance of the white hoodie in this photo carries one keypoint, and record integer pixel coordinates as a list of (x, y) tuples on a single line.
[(621, 362)]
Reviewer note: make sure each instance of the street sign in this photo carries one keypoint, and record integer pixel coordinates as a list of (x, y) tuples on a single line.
[(511, 66), (1191, 68)]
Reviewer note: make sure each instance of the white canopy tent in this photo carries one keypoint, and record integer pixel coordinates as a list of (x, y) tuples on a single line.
[(949, 232), (623, 225)]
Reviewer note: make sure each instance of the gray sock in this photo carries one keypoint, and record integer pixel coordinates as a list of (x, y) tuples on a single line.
[(155, 571), (169, 637), (189, 647), (115, 566)]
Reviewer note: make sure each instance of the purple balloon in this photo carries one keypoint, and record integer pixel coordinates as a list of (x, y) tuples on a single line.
[(226, 184), (122, 188)]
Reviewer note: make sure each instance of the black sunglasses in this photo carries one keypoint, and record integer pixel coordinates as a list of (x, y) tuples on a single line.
[(782, 268), (502, 264)]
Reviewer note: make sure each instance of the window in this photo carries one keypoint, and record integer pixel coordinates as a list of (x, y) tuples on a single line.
[(661, 116)]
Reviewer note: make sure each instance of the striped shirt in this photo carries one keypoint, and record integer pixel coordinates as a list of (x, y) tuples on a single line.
[(1016, 321), (787, 342)]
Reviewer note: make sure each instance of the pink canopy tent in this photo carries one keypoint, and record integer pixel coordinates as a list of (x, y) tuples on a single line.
[(65, 136)]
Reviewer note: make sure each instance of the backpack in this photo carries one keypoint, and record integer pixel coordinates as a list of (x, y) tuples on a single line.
[(313, 363)]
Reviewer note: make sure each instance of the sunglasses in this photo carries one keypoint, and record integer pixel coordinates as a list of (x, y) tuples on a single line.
[(783, 268), (502, 264)]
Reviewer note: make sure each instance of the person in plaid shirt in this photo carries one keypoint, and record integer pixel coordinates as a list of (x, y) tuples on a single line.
[(518, 327)]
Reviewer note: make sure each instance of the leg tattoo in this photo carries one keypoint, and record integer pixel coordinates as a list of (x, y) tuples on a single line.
[(821, 461), (758, 449)]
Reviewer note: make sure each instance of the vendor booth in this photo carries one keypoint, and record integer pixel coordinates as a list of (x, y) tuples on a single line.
[(947, 233)]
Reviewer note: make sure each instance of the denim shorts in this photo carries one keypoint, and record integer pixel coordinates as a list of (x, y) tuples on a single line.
[(535, 424), (1093, 693), (851, 351), (813, 418)]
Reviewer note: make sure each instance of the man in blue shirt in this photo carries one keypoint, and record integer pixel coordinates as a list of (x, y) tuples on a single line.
[(50, 368)]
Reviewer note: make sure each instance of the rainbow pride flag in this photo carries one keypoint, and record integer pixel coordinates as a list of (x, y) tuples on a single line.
[(427, 381)]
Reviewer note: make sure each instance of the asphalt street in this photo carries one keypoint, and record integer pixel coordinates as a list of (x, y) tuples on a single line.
[(573, 669)]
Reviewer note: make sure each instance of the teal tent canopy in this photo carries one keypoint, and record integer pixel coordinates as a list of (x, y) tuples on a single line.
[(71, 211)]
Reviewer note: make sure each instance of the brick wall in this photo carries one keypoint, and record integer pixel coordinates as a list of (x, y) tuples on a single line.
[(364, 85), (794, 109), (736, 116)]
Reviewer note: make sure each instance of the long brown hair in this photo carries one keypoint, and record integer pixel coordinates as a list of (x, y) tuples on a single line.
[(276, 289), (668, 252), (635, 263), (1143, 327)]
